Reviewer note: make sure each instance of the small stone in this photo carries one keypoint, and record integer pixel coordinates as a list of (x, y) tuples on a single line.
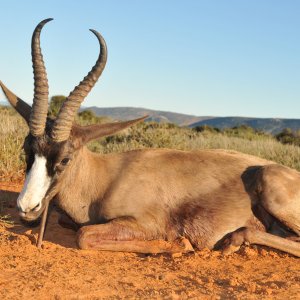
[(268, 291), (233, 282), (176, 255)]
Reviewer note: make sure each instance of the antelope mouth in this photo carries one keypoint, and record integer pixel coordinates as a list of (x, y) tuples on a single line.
[(31, 223), (33, 216)]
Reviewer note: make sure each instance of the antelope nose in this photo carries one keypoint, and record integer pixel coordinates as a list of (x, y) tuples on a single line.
[(23, 213)]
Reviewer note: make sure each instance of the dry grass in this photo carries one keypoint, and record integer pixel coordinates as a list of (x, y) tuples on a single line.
[(153, 135), (13, 130), (147, 135)]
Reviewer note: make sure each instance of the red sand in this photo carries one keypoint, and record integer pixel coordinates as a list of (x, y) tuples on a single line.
[(61, 271)]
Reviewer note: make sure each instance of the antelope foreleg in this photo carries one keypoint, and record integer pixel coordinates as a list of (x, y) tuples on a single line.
[(114, 236), (261, 238)]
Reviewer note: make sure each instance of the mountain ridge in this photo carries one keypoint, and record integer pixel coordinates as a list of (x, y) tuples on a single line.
[(271, 125), (126, 113)]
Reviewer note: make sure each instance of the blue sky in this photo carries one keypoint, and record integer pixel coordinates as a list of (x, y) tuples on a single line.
[(221, 58)]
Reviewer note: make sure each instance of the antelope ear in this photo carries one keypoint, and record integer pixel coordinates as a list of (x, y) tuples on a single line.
[(91, 132), (18, 104)]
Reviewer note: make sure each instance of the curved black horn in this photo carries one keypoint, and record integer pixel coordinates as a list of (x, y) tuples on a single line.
[(39, 111)]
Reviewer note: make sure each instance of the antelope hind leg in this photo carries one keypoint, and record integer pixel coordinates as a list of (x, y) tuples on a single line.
[(126, 237), (252, 236), (281, 195)]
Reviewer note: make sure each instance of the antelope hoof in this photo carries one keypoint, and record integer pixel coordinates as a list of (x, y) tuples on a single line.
[(230, 249), (185, 245)]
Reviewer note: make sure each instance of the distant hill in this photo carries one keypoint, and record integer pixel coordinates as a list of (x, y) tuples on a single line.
[(127, 113), (271, 125)]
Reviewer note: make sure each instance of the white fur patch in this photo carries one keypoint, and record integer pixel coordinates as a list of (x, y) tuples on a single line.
[(35, 187)]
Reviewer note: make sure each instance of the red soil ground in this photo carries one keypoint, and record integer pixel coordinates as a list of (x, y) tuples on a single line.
[(61, 271)]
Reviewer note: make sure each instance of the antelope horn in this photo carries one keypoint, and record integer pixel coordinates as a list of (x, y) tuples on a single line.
[(39, 111), (18, 104), (63, 123)]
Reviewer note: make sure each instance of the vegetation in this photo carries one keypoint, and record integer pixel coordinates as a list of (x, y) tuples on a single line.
[(55, 104), (84, 117), (87, 117), (13, 129), (145, 135), (242, 131), (282, 149), (287, 136)]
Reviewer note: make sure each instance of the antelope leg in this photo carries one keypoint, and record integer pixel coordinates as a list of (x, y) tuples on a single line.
[(294, 238), (43, 225), (115, 236), (252, 236)]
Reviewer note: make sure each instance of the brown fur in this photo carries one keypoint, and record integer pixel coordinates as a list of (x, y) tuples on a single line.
[(201, 195)]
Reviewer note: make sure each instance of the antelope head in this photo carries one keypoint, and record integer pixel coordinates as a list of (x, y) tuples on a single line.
[(52, 144)]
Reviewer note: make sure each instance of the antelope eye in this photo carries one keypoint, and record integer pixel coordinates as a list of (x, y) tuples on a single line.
[(65, 161)]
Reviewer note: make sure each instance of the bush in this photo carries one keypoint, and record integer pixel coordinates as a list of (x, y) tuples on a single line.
[(246, 132), (207, 128), (287, 136), (87, 117), (55, 105)]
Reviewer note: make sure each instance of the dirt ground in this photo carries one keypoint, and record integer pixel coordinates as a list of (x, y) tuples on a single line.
[(61, 271)]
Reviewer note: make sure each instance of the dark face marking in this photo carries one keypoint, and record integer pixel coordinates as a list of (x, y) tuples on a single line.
[(58, 155)]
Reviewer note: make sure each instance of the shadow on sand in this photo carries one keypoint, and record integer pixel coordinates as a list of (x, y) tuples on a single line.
[(54, 232)]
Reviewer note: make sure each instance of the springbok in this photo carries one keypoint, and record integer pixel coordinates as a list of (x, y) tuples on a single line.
[(149, 201)]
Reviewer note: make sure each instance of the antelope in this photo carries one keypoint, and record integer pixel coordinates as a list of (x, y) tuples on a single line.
[(151, 200)]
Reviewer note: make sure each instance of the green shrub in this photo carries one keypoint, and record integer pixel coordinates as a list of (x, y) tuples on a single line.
[(55, 105), (206, 128), (87, 117), (287, 136)]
